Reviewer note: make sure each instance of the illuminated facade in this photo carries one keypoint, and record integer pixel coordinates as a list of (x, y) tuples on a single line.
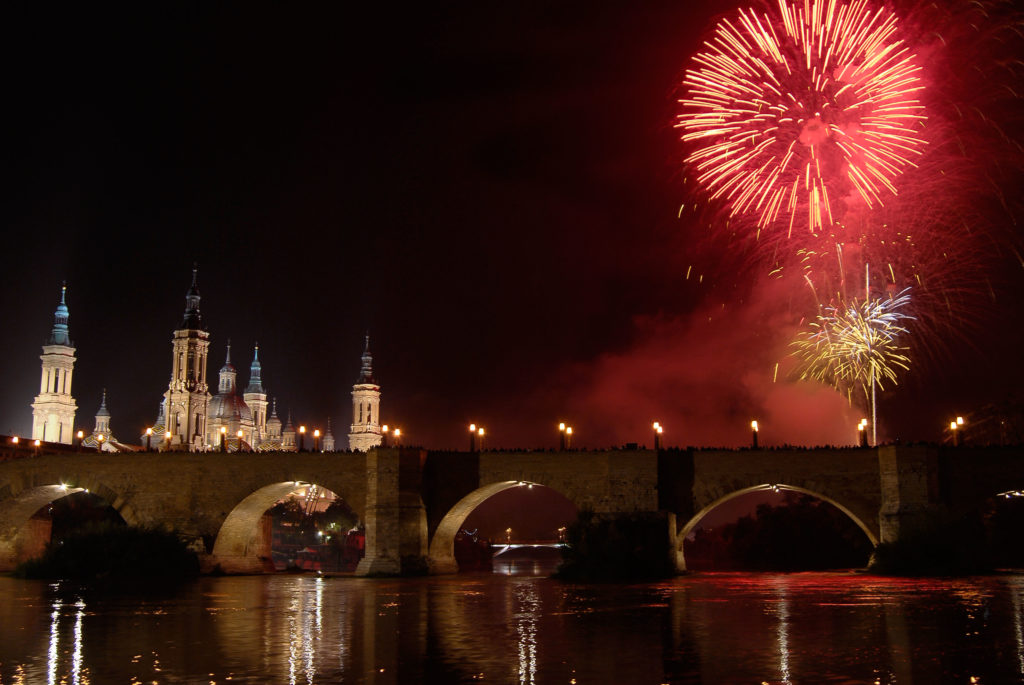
[(228, 411), (365, 432), (329, 444), (255, 397), (53, 412), (102, 437), (187, 398)]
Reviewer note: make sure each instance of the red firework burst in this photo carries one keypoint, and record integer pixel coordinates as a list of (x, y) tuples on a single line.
[(804, 112)]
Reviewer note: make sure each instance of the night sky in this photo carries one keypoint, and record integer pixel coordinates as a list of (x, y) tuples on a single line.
[(493, 191)]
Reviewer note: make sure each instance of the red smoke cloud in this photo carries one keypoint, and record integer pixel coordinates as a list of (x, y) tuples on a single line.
[(705, 377)]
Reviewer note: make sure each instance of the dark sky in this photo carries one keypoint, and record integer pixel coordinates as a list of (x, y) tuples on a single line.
[(492, 190)]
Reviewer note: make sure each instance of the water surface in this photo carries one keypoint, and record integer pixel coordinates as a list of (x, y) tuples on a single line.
[(511, 628)]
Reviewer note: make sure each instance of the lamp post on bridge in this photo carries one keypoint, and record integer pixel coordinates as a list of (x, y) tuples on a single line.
[(384, 435), (302, 438), (753, 434), (658, 430), (81, 436), (223, 439), (316, 440), (472, 437), (149, 439)]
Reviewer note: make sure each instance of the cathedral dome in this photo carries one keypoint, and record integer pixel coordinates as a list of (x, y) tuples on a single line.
[(228, 407)]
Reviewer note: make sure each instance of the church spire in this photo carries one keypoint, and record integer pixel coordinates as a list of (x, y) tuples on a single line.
[(228, 375), (59, 335), (255, 373), (103, 405), (193, 319), (366, 372)]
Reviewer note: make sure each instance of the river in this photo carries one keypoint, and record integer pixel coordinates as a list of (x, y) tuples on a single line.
[(508, 627)]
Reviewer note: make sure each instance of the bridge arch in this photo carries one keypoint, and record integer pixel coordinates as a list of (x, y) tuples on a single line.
[(692, 523), (16, 544), (441, 551), (237, 547)]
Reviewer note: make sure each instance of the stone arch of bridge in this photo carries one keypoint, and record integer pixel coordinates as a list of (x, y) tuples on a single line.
[(441, 554), (692, 523), (237, 547), (18, 509)]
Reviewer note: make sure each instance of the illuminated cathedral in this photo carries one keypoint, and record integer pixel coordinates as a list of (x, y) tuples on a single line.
[(190, 416)]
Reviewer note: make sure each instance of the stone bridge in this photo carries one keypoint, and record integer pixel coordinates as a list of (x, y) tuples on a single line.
[(413, 501)]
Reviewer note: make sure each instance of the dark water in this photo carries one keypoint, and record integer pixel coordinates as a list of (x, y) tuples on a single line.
[(508, 628)]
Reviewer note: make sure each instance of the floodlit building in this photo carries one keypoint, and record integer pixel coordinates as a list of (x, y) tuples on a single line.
[(187, 398), (53, 412), (102, 438), (365, 432), (228, 411)]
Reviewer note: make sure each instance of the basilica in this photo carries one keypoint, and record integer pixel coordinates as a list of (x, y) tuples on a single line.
[(191, 417)]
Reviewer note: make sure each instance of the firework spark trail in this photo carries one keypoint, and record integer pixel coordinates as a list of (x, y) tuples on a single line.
[(800, 112), (858, 344)]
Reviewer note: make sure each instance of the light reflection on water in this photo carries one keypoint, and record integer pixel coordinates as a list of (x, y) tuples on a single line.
[(713, 628)]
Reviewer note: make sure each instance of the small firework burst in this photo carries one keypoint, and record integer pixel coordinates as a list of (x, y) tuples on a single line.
[(860, 344)]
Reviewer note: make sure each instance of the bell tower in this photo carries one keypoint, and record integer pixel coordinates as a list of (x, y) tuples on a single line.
[(255, 397), (53, 412), (365, 431), (188, 395)]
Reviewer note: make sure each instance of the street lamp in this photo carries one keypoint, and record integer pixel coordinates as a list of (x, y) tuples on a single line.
[(149, 439), (658, 430), (302, 437), (753, 435), (568, 437), (508, 536), (398, 437), (480, 438), (316, 440), (167, 439), (862, 430), (99, 442), (561, 436), (472, 437), (953, 425), (239, 434), (223, 438), (384, 435), (81, 436)]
